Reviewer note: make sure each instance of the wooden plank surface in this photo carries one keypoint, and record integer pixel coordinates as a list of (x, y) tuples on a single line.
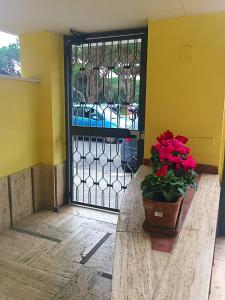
[(60, 171), (48, 186), (5, 221), (37, 190), (132, 204), (217, 290), (136, 268), (188, 271), (21, 195), (142, 273)]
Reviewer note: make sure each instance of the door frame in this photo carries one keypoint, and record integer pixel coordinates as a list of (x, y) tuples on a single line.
[(78, 38)]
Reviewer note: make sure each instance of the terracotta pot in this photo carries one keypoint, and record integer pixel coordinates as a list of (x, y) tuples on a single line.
[(161, 214)]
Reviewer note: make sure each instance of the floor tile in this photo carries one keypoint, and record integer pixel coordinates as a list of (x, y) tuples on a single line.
[(57, 255), (90, 213), (64, 258), (103, 257), (19, 247), (101, 289), (22, 282), (75, 221), (79, 285)]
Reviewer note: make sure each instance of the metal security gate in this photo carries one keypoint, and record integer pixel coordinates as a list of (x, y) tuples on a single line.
[(105, 76)]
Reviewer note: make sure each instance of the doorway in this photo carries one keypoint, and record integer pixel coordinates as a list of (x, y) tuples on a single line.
[(105, 76)]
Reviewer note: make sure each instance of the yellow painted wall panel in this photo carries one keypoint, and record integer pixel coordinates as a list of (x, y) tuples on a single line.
[(186, 82), (58, 100), (35, 59), (19, 125), (202, 146), (222, 152), (42, 57)]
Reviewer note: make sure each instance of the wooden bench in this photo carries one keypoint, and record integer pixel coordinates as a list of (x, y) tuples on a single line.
[(142, 273)]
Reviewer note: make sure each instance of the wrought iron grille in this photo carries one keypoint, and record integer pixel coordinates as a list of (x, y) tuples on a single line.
[(100, 176), (106, 83)]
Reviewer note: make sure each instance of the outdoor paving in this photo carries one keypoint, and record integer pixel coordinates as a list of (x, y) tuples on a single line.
[(65, 255)]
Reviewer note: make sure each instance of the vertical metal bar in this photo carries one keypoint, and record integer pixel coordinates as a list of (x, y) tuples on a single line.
[(117, 175), (83, 178), (126, 81), (103, 173), (89, 168), (142, 97), (96, 171), (110, 170), (68, 114)]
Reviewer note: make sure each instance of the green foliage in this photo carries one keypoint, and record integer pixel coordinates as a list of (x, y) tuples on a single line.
[(167, 188), (122, 84), (9, 56), (155, 160)]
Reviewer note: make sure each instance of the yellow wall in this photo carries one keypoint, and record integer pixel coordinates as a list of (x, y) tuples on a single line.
[(222, 152), (32, 129), (185, 85), (19, 125), (58, 100), (42, 57), (186, 82)]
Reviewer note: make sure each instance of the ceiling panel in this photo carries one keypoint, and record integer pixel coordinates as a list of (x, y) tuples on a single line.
[(94, 15), (203, 6)]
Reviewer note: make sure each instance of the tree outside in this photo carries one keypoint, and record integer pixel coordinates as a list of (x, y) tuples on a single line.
[(106, 72), (10, 59)]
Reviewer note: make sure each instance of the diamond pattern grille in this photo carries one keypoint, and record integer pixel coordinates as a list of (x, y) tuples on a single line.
[(105, 79), (99, 178)]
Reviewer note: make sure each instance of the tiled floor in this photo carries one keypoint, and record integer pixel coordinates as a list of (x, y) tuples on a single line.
[(68, 255), (65, 255)]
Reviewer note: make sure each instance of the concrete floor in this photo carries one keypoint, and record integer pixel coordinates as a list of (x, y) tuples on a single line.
[(65, 255)]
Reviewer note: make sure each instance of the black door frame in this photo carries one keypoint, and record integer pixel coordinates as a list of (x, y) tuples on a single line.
[(100, 37), (221, 212)]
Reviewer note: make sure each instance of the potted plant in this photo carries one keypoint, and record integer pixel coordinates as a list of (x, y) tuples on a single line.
[(172, 174)]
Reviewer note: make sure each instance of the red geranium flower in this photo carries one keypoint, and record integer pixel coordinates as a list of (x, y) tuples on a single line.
[(182, 139), (171, 153), (168, 135), (165, 136), (189, 163), (162, 171), (178, 167)]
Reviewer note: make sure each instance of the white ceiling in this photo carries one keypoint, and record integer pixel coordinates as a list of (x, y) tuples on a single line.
[(21, 16)]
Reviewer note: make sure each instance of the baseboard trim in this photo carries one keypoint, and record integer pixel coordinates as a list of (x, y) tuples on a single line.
[(146, 162), (210, 169)]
